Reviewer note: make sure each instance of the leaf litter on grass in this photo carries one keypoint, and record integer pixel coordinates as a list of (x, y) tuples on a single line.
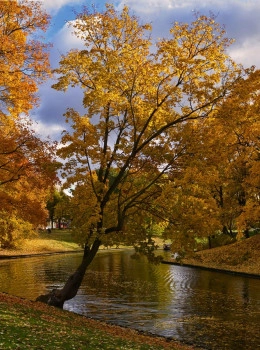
[(29, 325)]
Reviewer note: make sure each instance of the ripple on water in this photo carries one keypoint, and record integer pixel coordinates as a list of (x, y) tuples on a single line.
[(208, 309)]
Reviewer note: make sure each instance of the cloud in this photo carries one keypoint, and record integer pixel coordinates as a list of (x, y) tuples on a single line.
[(63, 41), (53, 6), (239, 17), (52, 131), (144, 6), (247, 53), (150, 6)]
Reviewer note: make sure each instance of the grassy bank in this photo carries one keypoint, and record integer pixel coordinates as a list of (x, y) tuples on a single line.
[(27, 325), (44, 242), (242, 256)]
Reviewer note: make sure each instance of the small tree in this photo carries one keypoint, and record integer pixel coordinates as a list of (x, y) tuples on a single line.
[(55, 197), (137, 99)]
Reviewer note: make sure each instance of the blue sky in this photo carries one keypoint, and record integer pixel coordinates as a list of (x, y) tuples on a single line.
[(241, 19)]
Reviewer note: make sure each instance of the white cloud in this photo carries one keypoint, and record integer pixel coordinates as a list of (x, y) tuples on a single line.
[(145, 6), (53, 6), (66, 40), (52, 131), (240, 18), (151, 6), (248, 53)]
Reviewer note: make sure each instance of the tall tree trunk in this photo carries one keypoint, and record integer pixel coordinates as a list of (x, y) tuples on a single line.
[(209, 241), (52, 219), (57, 297)]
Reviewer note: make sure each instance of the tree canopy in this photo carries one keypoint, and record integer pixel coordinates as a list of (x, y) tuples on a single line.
[(23, 59), (163, 137), (27, 167), (217, 187), (140, 98)]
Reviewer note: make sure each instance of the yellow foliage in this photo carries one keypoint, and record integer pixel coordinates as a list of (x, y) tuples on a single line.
[(13, 229), (23, 60), (27, 169), (150, 118)]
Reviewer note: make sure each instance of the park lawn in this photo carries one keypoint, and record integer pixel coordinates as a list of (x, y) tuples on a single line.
[(44, 242), (26, 324)]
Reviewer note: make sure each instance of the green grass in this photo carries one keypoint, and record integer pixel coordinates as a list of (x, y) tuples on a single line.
[(64, 235), (29, 325), (43, 242), (57, 240)]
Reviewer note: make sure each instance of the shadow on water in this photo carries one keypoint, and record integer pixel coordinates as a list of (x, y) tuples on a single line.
[(205, 308)]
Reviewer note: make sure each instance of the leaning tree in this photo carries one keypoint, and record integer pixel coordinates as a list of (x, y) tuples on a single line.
[(138, 97)]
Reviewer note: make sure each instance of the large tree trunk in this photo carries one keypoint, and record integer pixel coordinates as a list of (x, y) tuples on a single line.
[(57, 297)]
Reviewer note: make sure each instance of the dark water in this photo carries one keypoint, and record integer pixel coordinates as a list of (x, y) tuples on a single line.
[(207, 309)]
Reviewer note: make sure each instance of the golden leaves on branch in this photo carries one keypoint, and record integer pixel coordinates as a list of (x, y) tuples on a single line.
[(23, 59), (27, 167), (146, 144)]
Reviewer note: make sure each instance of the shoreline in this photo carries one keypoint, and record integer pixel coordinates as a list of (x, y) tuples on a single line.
[(32, 255), (213, 269), (167, 262), (76, 321)]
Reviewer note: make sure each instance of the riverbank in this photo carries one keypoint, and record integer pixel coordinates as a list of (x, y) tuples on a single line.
[(240, 257), (26, 324), (58, 241)]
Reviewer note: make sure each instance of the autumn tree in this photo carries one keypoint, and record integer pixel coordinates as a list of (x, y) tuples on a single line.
[(137, 97), (216, 188), (27, 169), (58, 206), (237, 189), (23, 59)]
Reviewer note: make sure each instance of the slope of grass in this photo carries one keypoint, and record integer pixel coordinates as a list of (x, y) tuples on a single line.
[(43, 242), (27, 325), (242, 256)]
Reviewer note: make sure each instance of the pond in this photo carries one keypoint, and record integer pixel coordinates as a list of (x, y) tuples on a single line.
[(208, 309)]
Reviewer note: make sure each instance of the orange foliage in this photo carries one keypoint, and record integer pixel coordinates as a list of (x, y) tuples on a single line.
[(217, 185), (23, 59), (27, 170)]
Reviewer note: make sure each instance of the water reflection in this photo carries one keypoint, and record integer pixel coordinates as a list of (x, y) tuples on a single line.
[(209, 309)]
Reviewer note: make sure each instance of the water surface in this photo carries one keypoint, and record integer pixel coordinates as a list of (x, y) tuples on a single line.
[(209, 309)]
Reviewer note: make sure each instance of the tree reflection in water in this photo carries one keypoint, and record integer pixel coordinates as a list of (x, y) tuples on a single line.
[(208, 309)]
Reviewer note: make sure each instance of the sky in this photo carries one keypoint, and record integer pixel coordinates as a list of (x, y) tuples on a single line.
[(239, 17)]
